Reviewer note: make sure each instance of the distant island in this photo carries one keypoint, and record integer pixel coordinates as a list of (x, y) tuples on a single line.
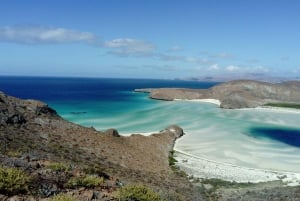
[(237, 94)]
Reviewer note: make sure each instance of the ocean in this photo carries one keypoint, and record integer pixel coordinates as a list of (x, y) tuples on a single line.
[(253, 138)]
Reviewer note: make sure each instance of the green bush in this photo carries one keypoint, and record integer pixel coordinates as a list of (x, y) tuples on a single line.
[(13, 153), (172, 160), (59, 167), (137, 193), (63, 197), (88, 181), (286, 105), (13, 181)]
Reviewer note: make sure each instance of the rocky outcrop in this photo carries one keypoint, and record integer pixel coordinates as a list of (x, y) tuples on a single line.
[(31, 128), (236, 94), (112, 132), (16, 111)]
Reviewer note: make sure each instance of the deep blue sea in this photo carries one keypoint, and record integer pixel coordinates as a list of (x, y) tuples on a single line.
[(249, 137)]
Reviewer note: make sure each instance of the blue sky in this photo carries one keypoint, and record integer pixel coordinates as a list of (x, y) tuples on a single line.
[(150, 38)]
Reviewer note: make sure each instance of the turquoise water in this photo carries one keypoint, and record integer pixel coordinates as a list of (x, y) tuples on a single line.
[(253, 138), (233, 136)]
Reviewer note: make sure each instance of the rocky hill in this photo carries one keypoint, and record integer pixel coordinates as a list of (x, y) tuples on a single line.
[(236, 94), (33, 131)]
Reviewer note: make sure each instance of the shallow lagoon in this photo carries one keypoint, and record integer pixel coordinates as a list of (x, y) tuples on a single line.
[(249, 137)]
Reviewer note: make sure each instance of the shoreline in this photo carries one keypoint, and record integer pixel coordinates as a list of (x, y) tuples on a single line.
[(277, 109), (205, 168), (206, 100)]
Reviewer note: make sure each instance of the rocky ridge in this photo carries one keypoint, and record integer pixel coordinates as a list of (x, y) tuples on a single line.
[(235, 94), (31, 130)]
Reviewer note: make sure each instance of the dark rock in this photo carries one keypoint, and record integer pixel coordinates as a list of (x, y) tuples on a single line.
[(1, 100), (112, 132), (48, 189), (16, 119), (96, 195), (13, 162), (45, 110)]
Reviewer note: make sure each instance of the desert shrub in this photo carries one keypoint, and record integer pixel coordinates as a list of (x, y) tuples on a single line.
[(172, 160), (13, 153), (59, 167), (13, 181), (88, 181), (63, 197), (286, 105), (137, 193)]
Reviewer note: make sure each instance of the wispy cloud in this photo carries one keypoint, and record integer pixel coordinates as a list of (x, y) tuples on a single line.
[(175, 48), (130, 47), (187, 59), (168, 57), (232, 68), (43, 35), (252, 61), (222, 55), (214, 67)]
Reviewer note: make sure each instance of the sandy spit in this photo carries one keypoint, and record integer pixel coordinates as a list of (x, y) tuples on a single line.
[(205, 168)]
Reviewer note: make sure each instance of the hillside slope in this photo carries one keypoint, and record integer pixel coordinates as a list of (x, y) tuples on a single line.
[(235, 94)]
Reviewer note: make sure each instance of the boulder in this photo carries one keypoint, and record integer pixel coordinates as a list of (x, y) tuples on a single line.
[(16, 119), (112, 132), (45, 110)]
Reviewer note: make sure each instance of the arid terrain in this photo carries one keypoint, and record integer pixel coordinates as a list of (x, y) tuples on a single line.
[(235, 94)]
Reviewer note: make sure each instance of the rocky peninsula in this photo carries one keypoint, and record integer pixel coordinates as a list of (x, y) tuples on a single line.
[(60, 157), (235, 94)]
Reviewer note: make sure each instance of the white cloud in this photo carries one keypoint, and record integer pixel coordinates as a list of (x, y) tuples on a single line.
[(130, 47), (42, 35), (232, 68), (214, 67)]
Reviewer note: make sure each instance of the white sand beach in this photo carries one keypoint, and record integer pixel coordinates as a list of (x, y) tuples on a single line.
[(278, 109), (209, 100), (201, 167), (204, 168)]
